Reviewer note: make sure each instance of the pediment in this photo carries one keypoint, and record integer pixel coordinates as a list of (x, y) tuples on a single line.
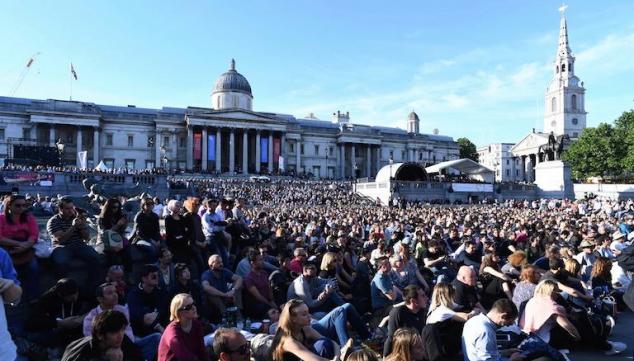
[(529, 144), (237, 114)]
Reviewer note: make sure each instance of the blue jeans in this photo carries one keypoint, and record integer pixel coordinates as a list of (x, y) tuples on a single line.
[(62, 257), (215, 246), (148, 345), (333, 325), (29, 276)]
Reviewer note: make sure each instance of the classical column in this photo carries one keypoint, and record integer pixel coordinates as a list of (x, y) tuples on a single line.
[(340, 161), (157, 149), (270, 165), (51, 135), (298, 156), (79, 145), (523, 168), (245, 151), (218, 151), (353, 159), (204, 150), (368, 161), (190, 147), (95, 146), (232, 151), (257, 151), (34, 131), (377, 151), (283, 148)]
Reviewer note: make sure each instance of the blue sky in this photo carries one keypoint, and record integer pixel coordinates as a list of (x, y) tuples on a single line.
[(474, 69)]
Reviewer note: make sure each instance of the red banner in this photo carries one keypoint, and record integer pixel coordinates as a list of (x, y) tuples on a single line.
[(198, 146), (25, 177), (276, 150)]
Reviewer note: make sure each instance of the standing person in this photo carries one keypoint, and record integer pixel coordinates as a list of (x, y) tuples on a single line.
[(183, 337), (478, 336), (108, 341), (176, 236), (213, 227), (412, 314), (10, 292), (68, 231), (407, 346), (195, 235), (18, 235)]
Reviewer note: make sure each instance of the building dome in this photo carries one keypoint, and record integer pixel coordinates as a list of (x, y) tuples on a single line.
[(413, 116), (232, 81)]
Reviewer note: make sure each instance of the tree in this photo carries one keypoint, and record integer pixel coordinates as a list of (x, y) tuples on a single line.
[(624, 127), (467, 149), (598, 151)]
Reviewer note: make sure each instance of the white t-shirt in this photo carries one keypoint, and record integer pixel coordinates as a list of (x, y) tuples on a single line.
[(440, 314)]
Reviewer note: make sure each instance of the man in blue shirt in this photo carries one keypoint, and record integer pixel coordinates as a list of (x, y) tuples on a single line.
[(382, 291), (215, 283), (478, 336)]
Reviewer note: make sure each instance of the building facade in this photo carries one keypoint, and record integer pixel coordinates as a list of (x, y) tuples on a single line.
[(497, 156), (229, 137)]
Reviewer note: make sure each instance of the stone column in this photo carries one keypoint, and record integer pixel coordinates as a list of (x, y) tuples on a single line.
[(51, 135), (377, 151), (95, 146), (34, 131), (257, 151), (157, 149), (79, 140), (232, 151), (218, 151), (205, 152), (245, 151), (298, 156), (368, 161), (353, 159), (270, 165), (283, 149), (190, 147), (340, 162)]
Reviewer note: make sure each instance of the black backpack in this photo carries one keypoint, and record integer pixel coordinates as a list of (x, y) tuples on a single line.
[(442, 341)]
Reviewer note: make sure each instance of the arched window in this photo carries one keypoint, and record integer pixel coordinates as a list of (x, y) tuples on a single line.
[(570, 67), (573, 101), (557, 69), (553, 105), (563, 68)]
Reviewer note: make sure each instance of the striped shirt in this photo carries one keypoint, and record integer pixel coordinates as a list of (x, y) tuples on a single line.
[(56, 224)]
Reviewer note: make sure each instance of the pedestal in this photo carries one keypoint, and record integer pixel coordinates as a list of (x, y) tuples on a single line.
[(553, 180)]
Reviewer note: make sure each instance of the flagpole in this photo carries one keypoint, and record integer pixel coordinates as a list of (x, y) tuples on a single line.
[(71, 81)]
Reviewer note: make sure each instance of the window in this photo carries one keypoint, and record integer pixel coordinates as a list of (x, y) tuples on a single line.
[(301, 149), (129, 163), (150, 142), (553, 105), (563, 68), (130, 140), (316, 151), (507, 162), (182, 142), (26, 133), (149, 164), (109, 162), (403, 155), (575, 121), (391, 154), (108, 140), (508, 173), (420, 156), (182, 165), (573, 101), (331, 151), (166, 141), (317, 171), (291, 147), (1, 133), (557, 69), (517, 173), (575, 134)]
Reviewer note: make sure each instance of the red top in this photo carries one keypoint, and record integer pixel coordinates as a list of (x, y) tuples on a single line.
[(178, 345), (19, 231)]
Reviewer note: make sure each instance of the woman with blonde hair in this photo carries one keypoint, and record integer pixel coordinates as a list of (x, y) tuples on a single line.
[(442, 305), (407, 345), (183, 337), (296, 340)]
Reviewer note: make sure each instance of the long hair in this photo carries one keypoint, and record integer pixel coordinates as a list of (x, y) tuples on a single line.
[(529, 274), (402, 343), (8, 204), (545, 288), (517, 258), (108, 215), (487, 261), (176, 304), (442, 296), (601, 268), (284, 329), (328, 259)]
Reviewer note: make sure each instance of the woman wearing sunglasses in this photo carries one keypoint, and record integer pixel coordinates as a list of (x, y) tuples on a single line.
[(183, 337)]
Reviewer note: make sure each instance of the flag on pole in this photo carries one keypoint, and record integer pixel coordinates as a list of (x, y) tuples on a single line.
[(82, 159), (72, 71)]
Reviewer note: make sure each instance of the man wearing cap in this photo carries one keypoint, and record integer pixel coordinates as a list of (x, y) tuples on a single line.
[(618, 243), (586, 258)]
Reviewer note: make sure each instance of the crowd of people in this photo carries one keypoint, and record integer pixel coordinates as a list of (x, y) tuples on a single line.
[(306, 270)]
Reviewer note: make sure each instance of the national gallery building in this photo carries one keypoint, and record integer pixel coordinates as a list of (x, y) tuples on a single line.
[(229, 137)]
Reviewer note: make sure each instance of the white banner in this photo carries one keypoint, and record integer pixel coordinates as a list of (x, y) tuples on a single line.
[(82, 159), (281, 163)]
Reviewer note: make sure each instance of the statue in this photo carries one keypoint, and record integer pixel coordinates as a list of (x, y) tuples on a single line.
[(555, 146)]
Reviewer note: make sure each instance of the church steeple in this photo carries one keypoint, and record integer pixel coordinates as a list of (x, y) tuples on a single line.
[(564, 62)]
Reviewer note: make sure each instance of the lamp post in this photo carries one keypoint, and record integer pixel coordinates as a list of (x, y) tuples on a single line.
[(60, 151), (327, 151), (391, 162), (164, 159)]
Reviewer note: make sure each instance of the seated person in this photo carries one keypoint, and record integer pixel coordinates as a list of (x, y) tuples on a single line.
[(258, 294), (470, 255), (148, 304), (214, 284), (495, 284), (183, 337), (244, 266), (108, 341), (411, 314), (230, 345), (442, 306), (109, 300), (318, 294), (184, 284), (408, 345), (384, 293), (466, 297)]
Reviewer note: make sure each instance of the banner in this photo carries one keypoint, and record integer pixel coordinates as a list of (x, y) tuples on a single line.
[(82, 159), (281, 163), (25, 177), (198, 148), (264, 150), (276, 150), (211, 147)]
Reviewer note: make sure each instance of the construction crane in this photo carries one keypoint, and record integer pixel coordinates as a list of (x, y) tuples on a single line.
[(23, 74)]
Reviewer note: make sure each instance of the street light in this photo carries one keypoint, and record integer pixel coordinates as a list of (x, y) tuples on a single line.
[(164, 159), (391, 162), (60, 151)]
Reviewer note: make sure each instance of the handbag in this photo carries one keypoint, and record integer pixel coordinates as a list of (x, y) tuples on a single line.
[(110, 240)]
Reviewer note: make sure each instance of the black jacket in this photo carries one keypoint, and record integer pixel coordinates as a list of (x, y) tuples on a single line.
[(85, 349)]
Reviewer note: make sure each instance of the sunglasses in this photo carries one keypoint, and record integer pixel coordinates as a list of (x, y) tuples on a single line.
[(242, 350), (189, 307)]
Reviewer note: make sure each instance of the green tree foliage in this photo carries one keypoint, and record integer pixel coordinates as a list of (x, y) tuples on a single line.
[(624, 127), (598, 151), (467, 149)]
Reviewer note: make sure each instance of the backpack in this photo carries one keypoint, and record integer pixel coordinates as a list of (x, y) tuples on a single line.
[(442, 340)]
